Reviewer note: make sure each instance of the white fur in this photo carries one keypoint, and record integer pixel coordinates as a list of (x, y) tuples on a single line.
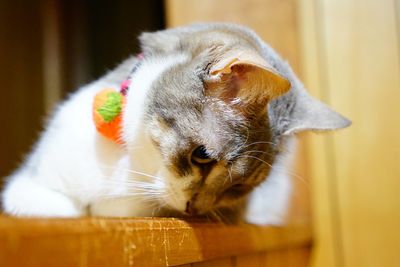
[(19, 196), (268, 203), (72, 167)]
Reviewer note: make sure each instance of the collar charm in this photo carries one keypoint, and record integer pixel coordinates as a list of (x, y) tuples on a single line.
[(108, 107)]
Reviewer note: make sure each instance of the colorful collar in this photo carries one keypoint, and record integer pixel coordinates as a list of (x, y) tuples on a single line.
[(108, 107), (125, 84)]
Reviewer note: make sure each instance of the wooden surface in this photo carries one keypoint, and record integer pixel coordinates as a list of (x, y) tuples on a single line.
[(136, 242), (293, 257), (352, 60)]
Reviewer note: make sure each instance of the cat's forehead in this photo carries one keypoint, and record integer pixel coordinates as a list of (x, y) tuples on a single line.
[(151, 68), (177, 93), (142, 81)]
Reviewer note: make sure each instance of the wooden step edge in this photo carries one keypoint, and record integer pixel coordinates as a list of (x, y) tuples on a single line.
[(138, 241)]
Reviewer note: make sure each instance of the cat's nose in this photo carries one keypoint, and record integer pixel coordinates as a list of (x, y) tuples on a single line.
[(190, 210)]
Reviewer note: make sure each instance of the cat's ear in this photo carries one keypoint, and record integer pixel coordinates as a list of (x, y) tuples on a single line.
[(311, 114), (246, 77)]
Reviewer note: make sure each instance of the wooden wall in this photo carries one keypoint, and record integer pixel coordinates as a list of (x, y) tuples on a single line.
[(348, 54), (351, 60)]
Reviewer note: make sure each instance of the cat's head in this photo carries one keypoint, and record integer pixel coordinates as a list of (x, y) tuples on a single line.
[(216, 114)]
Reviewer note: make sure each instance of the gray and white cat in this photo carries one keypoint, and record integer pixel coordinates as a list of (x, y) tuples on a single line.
[(207, 127)]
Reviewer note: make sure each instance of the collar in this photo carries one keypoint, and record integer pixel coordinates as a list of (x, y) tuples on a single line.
[(126, 83)]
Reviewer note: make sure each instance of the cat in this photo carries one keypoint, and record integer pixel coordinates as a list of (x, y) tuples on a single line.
[(208, 129)]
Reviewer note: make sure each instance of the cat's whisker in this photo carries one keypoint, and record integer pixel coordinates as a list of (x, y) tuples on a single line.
[(135, 189), (249, 156), (136, 186), (281, 169), (261, 142), (147, 199), (221, 215), (247, 138), (158, 208), (213, 216), (208, 217), (216, 216), (133, 195), (137, 195), (230, 173), (293, 174), (134, 172), (144, 174), (259, 151), (156, 186)]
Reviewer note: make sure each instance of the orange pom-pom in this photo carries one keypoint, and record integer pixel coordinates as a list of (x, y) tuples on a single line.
[(108, 105)]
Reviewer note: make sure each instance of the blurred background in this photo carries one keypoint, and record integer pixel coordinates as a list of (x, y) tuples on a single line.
[(347, 184), (49, 48)]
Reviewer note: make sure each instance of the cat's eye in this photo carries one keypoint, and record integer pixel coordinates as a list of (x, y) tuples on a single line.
[(200, 156)]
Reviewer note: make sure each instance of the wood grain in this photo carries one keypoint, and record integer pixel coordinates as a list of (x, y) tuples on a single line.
[(325, 249), (287, 258), (362, 52), (142, 242), (226, 262), (266, 17), (293, 257), (352, 60), (254, 260)]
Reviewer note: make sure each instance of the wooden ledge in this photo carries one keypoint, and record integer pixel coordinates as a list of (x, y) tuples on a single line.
[(139, 241)]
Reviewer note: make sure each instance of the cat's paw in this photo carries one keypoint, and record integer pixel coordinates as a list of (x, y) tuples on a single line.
[(24, 197)]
